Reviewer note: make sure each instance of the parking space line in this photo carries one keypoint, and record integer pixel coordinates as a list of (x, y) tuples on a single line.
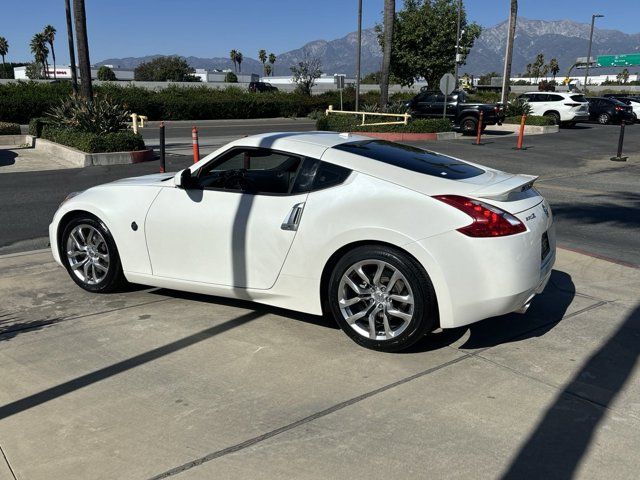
[(323, 413), (6, 461)]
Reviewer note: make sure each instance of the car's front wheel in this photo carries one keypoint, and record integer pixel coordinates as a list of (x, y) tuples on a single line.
[(90, 255), (382, 298)]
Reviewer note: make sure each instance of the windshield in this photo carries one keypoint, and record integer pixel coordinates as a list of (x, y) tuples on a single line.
[(412, 158)]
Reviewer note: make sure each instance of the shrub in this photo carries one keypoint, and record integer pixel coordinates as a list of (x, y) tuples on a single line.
[(101, 115), (517, 108), (106, 74), (531, 120), (161, 69), (35, 126), (351, 123), (9, 128), (231, 77), (89, 142)]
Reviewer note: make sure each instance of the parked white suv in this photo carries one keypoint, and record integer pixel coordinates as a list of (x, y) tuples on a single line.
[(565, 108)]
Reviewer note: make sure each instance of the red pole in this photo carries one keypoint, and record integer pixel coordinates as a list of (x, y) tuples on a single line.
[(196, 146), (479, 128), (521, 133)]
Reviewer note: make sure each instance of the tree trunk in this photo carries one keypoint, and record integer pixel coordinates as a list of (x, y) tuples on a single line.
[(72, 55), (509, 52), (53, 55), (389, 18), (82, 43)]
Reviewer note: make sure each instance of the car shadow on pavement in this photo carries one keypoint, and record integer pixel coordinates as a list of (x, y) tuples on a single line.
[(545, 312), (556, 446), (7, 157), (600, 212)]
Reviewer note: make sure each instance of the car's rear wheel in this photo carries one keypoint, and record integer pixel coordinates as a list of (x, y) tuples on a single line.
[(604, 119), (382, 298), (553, 116), (469, 125), (89, 254)]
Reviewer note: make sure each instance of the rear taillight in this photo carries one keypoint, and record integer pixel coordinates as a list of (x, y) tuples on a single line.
[(619, 109), (488, 221)]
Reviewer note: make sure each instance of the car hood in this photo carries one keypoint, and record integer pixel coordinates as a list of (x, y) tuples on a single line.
[(154, 179)]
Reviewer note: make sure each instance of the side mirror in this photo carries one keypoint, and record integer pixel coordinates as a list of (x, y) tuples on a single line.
[(184, 179)]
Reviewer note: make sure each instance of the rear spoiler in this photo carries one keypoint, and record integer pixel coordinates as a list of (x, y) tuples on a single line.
[(508, 190)]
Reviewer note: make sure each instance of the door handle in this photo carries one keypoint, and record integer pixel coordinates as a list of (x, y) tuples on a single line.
[(293, 219)]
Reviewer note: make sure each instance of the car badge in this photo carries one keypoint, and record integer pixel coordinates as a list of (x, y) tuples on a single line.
[(545, 209)]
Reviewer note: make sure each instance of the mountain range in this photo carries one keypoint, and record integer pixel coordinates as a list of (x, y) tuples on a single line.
[(563, 39)]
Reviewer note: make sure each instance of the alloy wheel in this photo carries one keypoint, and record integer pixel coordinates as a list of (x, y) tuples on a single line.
[(87, 254), (375, 299)]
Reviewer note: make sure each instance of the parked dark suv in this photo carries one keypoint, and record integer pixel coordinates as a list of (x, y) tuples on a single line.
[(261, 87), (609, 110), (430, 104)]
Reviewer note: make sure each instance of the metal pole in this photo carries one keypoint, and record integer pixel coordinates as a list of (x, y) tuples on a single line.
[(72, 55), (162, 151), (511, 33), (619, 157), (457, 43), (358, 55), (586, 73)]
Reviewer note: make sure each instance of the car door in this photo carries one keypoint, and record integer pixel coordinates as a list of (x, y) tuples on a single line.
[(236, 227), (437, 106), (423, 105)]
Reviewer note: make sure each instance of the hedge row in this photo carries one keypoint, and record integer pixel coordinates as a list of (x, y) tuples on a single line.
[(349, 123), (124, 141), (531, 120), (22, 101), (9, 128)]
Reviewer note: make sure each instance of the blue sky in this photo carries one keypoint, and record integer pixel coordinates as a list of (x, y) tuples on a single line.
[(119, 28)]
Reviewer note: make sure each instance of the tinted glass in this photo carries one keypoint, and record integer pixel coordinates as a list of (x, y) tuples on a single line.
[(411, 158), (316, 175), (555, 98), (578, 98)]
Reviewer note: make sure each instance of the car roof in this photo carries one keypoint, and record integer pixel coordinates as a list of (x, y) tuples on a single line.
[(318, 138)]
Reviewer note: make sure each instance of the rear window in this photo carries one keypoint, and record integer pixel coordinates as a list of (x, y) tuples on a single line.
[(578, 98), (411, 158)]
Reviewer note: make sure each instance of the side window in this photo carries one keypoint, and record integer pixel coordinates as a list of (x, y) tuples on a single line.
[(534, 97), (427, 97), (251, 170), (316, 175), (555, 98)]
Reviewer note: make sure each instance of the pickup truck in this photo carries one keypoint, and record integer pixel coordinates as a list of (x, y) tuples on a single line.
[(464, 115)]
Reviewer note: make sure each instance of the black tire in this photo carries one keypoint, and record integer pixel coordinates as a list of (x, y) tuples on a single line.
[(114, 279), (569, 124), (554, 116), (469, 125), (424, 312), (604, 119)]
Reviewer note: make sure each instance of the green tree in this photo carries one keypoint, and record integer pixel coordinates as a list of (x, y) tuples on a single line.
[(233, 55), (267, 70), (486, 78), (239, 58), (106, 74), (34, 71), (39, 50), (537, 67), (424, 40), (4, 50), (623, 76), (162, 69), (231, 77), (262, 56), (554, 68), (82, 46), (272, 60), (50, 34), (305, 74)]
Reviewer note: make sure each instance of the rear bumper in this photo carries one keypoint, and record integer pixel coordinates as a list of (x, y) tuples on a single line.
[(487, 277)]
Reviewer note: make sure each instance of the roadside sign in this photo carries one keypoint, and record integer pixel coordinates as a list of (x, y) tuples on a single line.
[(628, 60), (339, 81), (447, 83)]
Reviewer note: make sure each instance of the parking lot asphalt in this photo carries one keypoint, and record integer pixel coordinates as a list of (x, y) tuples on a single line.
[(152, 383)]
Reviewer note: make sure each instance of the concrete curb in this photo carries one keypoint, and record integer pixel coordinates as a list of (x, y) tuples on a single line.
[(16, 140), (410, 137), (83, 159), (528, 129)]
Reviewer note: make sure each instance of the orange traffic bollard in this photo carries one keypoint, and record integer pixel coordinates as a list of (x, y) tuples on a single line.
[(521, 133), (479, 129), (196, 146)]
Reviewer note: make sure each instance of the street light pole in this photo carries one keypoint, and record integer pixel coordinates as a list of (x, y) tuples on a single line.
[(358, 54), (586, 73), (457, 44)]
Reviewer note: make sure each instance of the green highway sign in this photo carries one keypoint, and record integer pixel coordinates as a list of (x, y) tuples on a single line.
[(629, 60)]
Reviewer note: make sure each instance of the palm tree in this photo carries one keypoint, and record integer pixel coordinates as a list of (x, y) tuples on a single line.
[(4, 49), (262, 55), (39, 49), (554, 68), (508, 56), (272, 60), (82, 44), (50, 34), (233, 54), (72, 55), (239, 60), (389, 18), (267, 70)]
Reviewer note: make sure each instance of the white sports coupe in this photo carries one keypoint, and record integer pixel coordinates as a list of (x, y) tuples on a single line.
[(391, 240)]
